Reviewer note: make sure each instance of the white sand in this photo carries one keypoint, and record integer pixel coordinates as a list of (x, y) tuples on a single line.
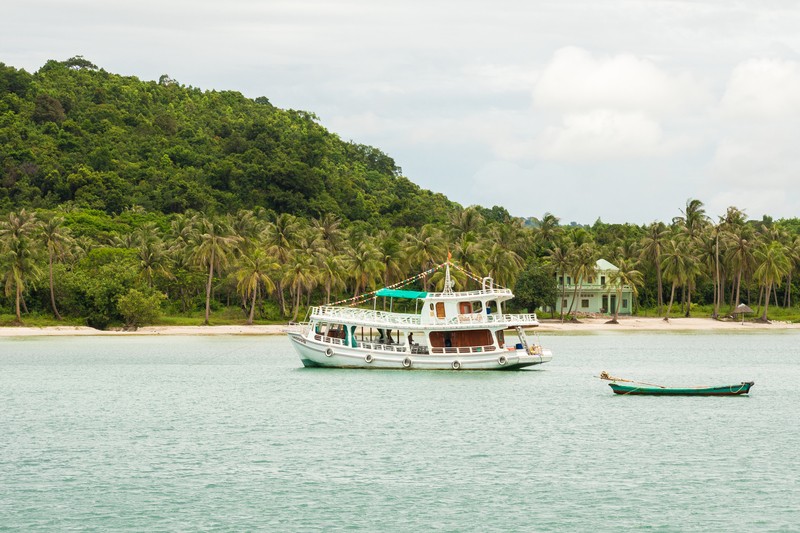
[(585, 325), (149, 330)]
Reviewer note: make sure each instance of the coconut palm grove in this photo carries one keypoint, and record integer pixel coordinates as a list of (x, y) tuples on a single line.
[(126, 202)]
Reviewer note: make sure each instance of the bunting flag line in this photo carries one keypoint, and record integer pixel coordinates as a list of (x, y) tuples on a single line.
[(363, 298)]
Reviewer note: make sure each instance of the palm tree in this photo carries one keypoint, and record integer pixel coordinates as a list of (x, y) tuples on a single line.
[(652, 246), (464, 221), (425, 248), (215, 242), (793, 253), (331, 274), (330, 231), (468, 252), (626, 274), (548, 231), (254, 271), (772, 266), (693, 220), (503, 264), (57, 240), (679, 265), (299, 275), (583, 266), (560, 259), (364, 265), (740, 255), (392, 256), (19, 255), (280, 238)]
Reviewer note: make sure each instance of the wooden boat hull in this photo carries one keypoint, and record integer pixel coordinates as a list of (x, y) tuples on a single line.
[(724, 390)]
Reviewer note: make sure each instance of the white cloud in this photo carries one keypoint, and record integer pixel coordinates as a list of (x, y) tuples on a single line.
[(577, 80), (756, 161), (762, 89), (601, 134)]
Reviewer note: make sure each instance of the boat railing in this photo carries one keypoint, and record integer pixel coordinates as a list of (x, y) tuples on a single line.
[(376, 346), (460, 294), (480, 318), (454, 350), (365, 315), (329, 340), (373, 316)]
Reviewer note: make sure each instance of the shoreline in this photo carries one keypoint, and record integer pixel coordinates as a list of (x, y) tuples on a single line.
[(585, 325)]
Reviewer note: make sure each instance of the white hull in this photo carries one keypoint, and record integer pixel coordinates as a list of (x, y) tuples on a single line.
[(315, 353)]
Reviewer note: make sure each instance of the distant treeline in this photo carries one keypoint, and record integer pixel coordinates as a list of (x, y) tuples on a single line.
[(122, 199)]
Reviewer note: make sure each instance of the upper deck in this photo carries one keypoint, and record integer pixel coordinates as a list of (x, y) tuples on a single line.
[(385, 319), (500, 294)]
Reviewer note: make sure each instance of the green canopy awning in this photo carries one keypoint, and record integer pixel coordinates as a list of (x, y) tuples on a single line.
[(397, 293)]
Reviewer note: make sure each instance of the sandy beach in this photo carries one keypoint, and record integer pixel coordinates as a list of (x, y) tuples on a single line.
[(585, 325)]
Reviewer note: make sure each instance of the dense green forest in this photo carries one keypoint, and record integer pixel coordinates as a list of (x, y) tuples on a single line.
[(124, 202)]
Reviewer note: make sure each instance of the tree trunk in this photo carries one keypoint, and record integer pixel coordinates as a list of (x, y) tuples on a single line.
[(208, 287), (52, 290), (671, 299), (660, 287), (252, 307), (688, 299), (766, 303), (17, 308), (736, 302)]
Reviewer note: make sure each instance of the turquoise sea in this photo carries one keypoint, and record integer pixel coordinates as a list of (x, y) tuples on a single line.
[(232, 434)]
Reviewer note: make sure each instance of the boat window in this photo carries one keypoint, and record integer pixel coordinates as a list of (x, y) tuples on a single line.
[(501, 338), (440, 310), (477, 307), (464, 308), (458, 339)]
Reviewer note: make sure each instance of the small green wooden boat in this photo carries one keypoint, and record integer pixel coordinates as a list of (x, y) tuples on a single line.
[(641, 389)]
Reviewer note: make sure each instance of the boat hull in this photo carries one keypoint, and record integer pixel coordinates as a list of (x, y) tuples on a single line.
[(316, 354), (643, 390)]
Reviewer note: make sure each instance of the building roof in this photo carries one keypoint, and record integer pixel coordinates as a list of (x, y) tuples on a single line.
[(602, 264)]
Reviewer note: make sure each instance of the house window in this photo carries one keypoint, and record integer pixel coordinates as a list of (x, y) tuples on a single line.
[(569, 280), (624, 303), (602, 280), (591, 280), (585, 302), (563, 303)]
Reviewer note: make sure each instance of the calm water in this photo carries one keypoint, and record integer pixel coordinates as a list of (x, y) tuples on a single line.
[(177, 433)]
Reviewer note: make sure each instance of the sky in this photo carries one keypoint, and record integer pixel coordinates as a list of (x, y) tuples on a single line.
[(620, 110)]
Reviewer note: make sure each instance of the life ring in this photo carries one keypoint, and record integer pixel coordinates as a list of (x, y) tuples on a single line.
[(328, 352), (407, 362), (368, 358), (456, 365), (502, 360)]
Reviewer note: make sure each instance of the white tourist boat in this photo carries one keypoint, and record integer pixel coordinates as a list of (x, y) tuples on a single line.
[(449, 331)]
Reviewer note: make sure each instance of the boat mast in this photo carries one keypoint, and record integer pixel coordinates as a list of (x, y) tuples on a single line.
[(448, 283)]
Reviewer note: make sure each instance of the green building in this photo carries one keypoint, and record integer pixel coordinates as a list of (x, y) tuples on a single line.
[(596, 295)]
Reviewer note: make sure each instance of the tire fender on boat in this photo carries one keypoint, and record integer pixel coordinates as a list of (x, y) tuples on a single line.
[(328, 352), (407, 362), (502, 360), (456, 365), (368, 358)]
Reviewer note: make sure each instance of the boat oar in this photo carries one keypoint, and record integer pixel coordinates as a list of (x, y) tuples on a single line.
[(606, 376)]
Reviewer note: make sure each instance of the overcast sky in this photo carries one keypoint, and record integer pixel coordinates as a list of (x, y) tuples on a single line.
[(617, 109)]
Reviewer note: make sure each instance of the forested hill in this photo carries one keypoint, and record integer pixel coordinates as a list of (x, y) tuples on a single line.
[(74, 133)]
